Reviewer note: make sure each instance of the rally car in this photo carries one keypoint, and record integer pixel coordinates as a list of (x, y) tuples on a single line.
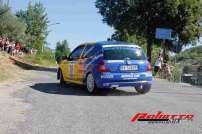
[(107, 65)]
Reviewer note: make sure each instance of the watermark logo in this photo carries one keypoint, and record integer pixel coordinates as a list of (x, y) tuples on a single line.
[(161, 117)]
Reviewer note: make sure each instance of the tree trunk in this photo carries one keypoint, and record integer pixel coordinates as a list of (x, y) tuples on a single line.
[(149, 50)]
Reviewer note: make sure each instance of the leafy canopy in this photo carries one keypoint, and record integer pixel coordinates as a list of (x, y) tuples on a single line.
[(142, 17), (37, 21), (10, 25)]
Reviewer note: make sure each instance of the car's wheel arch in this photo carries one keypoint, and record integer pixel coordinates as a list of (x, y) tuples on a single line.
[(85, 76)]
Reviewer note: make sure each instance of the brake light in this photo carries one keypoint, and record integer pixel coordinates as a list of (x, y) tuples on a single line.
[(102, 67), (149, 67)]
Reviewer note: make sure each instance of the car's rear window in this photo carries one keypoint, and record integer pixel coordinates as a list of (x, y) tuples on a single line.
[(122, 53)]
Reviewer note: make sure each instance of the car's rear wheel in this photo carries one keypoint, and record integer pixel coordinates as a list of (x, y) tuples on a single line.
[(90, 84), (143, 89), (62, 82)]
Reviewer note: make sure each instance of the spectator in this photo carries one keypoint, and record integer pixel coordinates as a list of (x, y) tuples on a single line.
[(7, 45), (17, 48), (158, 64), (9, 51), (25, 50), (1, 45), (13, 48)]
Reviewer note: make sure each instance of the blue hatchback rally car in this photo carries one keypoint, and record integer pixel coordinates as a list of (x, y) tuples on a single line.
[(105, 65)]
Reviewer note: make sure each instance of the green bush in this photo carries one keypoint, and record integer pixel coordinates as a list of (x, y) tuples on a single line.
[(187, 69), (176, 73), (45, 58)]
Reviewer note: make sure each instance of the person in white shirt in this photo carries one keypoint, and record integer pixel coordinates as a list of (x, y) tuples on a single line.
[(158, 64)]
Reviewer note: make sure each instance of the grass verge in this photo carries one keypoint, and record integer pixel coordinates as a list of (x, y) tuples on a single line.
[(40, 59)]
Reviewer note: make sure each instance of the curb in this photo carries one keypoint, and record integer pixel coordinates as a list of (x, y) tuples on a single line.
[(28, 66)]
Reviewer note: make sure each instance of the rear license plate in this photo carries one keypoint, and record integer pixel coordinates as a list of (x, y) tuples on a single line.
[(129, 68)]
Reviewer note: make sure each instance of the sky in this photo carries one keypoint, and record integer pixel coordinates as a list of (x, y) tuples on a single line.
[(79, 21)]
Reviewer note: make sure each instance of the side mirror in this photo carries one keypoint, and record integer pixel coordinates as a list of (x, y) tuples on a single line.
[(64, 58), (69, 58)]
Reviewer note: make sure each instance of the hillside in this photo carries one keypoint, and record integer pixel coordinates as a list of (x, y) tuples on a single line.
[(192, 55), (8, 71)]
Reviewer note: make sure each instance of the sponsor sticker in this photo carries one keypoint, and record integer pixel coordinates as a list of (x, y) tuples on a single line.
[(132, 76), (107, 76)]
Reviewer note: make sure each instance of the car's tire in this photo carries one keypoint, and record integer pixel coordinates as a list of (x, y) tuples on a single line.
[(62, 82), (143, 89), (90, 84)]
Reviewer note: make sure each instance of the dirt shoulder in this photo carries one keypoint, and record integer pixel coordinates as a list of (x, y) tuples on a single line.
[(9, 71)]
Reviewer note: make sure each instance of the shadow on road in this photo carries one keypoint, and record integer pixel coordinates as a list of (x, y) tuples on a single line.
[(71, 89), (48, 69)]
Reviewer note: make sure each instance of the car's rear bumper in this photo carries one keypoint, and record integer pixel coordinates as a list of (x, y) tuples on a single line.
[(125, 84), (113, 80)]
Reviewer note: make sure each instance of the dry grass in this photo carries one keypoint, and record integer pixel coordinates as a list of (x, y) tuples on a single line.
[(8, 70)]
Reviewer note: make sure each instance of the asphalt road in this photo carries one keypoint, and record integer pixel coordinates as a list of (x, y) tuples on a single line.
[(71, 110)]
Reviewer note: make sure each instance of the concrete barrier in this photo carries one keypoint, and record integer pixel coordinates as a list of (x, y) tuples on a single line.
[(28, 66)]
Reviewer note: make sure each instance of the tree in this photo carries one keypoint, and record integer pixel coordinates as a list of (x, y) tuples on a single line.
[(10, 25), (129, 38), (37, 24), (4, 7), (62, 49), (142, 17)]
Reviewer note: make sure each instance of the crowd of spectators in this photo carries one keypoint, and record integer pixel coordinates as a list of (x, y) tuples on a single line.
[(12, 47)]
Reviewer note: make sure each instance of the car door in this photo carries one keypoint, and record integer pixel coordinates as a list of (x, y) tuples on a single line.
[(74, 60), (81, 62), (64, 65)]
